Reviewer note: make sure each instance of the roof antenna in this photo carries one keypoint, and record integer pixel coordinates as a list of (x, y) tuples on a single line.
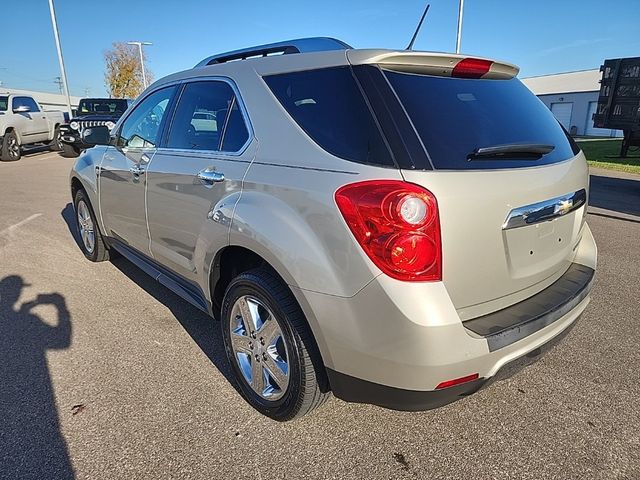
[(413, 39)]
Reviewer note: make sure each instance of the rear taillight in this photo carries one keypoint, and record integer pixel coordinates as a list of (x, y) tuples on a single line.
[(471, 68), (397, 225)]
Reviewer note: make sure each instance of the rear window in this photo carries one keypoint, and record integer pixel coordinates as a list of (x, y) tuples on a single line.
[(456, 116), (328, 105)]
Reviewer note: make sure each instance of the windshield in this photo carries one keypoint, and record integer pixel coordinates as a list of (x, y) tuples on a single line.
[(4, 102), (105, 106), (456, 117)]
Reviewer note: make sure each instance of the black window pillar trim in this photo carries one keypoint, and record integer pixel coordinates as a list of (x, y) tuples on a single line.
[(397, 129)]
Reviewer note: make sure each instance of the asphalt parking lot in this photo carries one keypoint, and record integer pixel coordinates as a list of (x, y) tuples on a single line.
[(106, 374)]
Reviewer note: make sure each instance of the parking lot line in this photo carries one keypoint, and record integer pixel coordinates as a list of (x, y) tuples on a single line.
[(15, 226)]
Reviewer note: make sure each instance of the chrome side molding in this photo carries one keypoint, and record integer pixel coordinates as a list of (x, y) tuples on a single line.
[(545, 211)]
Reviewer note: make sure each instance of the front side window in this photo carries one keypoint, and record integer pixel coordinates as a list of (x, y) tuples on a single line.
[(208, 118), (141, 129), (328, 105), (4, 104), (25, 102)]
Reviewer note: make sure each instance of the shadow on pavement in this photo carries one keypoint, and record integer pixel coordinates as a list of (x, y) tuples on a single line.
[(69, 216), (617, 194), (203, 329), (31, 444)]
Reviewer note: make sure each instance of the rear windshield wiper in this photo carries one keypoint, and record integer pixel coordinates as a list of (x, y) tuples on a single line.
[(515, 150)]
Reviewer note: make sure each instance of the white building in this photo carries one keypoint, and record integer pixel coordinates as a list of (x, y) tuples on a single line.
[(573, 98), (49, 101)]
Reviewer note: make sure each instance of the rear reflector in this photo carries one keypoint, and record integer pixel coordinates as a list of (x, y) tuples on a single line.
[(457, 381), (471, 68)]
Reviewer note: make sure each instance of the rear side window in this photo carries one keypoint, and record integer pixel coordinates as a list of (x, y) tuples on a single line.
[(328, 105), (208, 118), (456, 116)]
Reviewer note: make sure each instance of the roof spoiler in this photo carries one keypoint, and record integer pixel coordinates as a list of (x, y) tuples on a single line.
[(435, 63), (300, 45)]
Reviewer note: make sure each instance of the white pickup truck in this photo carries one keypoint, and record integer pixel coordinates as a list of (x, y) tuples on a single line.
[(23, 122)]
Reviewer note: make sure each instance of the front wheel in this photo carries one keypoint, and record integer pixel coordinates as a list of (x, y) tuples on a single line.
[(69, 151), (270, 347), (91, 241)]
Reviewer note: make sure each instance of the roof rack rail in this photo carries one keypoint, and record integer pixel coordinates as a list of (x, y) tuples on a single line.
[(300, 45)]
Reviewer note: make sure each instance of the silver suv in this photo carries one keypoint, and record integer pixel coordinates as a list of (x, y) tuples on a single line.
[(391, 226)]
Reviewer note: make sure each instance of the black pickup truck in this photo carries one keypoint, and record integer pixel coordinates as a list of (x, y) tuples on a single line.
[(91, 113), (619, 100)]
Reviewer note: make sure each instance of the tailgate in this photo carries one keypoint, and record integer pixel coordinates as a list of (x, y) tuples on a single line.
[(483, 259)]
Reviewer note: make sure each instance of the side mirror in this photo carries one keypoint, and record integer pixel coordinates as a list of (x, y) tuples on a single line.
[(96, 136), (22, 109)]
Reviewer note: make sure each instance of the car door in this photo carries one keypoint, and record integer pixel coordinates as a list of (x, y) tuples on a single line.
[(123, 170), (32, 125), (196, 178)]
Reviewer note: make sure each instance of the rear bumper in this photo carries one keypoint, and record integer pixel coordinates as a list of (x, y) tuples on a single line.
[(518, 321), (357, 390), (394, 342)]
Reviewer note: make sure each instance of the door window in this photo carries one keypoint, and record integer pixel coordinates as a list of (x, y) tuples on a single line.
[(208, 118), (142, 129)]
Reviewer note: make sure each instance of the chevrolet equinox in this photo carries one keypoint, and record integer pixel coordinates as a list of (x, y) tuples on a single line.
[(394, 227)]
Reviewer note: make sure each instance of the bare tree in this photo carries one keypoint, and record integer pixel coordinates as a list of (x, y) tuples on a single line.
[(123, 75)]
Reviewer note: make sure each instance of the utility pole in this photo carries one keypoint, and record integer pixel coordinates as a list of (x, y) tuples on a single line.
[(459, 36), (58, 81), (54, 22), (144, 75), (86, 91)]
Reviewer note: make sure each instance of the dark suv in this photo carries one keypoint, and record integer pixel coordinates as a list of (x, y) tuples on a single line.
[(92, 112)]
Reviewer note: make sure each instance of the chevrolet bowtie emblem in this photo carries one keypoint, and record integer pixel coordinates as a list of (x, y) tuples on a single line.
[(563, 207)]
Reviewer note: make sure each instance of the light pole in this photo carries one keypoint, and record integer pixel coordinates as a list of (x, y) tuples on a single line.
[(459, 36), (144, 75), (63, 73)]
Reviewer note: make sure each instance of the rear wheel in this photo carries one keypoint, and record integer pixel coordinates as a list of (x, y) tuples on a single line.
[(270, 347), (91, 240), (69, 151), (57, 143), (10, 148)]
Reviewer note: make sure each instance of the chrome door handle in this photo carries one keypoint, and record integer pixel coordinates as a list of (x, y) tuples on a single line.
[(209, 177), (137, 170)]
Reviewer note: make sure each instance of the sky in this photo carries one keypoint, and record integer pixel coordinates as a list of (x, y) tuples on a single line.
[(542, 37)]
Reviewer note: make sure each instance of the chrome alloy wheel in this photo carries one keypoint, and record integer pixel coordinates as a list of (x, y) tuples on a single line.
[(259, 348), (13, 148), (85, 224)]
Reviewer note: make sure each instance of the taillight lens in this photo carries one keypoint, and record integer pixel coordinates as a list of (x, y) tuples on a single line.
[(471, 68), (397, 225)]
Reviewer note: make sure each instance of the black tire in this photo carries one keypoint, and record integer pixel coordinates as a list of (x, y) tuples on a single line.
[(11, 150), (56, 144), (69, 151), (308, 385), (99, 253)]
